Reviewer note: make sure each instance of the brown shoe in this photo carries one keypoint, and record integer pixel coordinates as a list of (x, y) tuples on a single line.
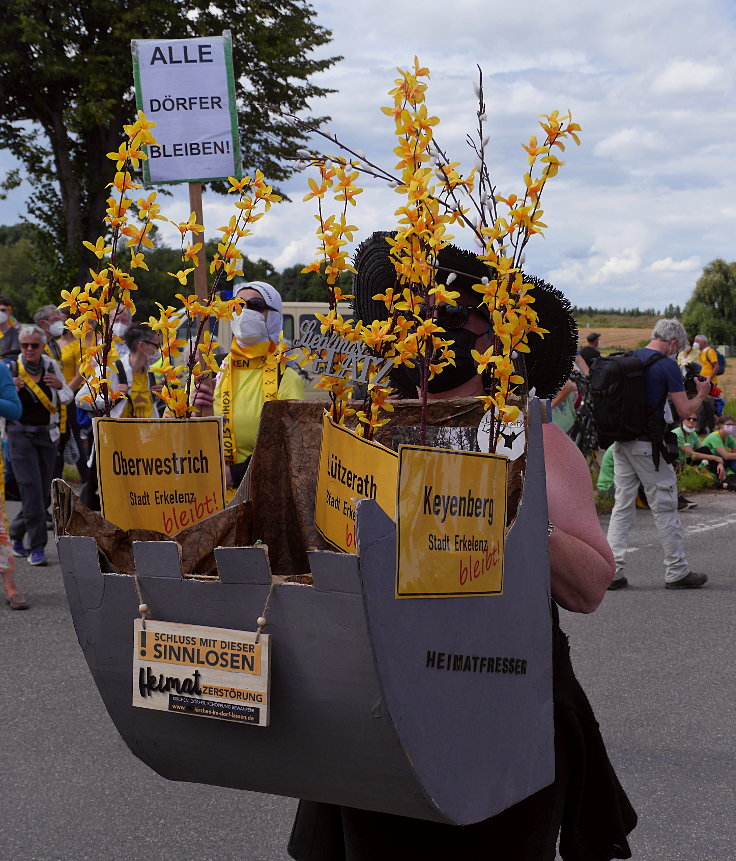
[(16, 602)]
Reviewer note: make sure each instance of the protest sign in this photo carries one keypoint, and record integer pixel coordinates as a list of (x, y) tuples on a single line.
[(187, 87), (160, 474), (451, 516), (206, 672), (350, 468)]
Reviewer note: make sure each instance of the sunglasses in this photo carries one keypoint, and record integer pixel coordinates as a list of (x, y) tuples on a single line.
[(30, 346), (257, 304), (691, 419), (451, 317)]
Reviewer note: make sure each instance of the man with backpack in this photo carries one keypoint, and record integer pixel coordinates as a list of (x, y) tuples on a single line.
[(647, 377)]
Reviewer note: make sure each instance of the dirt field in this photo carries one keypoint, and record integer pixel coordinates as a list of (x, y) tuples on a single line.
[(628, 339)]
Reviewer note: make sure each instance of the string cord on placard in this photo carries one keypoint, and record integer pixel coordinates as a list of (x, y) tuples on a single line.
[(262, 621), (142, 605)]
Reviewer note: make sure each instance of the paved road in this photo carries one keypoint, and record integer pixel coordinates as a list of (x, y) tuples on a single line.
[(658, 667)]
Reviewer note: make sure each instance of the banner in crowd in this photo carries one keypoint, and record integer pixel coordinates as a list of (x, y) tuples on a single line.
[(187, 87), (350, 468), (451, 517), (160, 474)]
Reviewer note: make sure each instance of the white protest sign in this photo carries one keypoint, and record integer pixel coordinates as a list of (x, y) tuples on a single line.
[(187, 87)]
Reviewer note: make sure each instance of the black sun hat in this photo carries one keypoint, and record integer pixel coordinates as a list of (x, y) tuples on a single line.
[(550, 360)]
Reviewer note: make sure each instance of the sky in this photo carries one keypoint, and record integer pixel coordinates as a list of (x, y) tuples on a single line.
[(645, 202)]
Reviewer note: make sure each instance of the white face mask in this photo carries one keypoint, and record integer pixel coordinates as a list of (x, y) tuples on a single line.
[(249, 327), (3, 317), (56, 329), (151, 360), (729, 429), (120, 329)]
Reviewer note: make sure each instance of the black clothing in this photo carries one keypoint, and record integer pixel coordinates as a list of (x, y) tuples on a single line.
[(589, 353), (34, 412), (586, 805), (9, 344)]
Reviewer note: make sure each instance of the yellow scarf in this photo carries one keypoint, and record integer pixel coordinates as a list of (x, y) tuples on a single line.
[(36, 389), (62, 407), (239, 359)]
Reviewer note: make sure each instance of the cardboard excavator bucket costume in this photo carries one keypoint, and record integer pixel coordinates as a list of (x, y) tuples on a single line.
[(433, 708)]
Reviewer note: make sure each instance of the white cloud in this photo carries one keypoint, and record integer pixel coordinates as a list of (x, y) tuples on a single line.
[(667, 264), (683, 77), (629, 143), (623, 264)]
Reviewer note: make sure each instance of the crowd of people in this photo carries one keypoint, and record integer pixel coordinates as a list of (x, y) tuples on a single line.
[(684, 394), (48, 420), (586, 809)]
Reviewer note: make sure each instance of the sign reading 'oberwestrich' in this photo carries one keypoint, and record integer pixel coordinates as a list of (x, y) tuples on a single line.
[(187, 87), (160, 474)]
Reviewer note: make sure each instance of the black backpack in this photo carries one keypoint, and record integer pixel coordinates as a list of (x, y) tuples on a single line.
[(618, 395)]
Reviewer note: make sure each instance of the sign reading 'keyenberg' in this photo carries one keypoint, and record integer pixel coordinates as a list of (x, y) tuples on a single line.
[(451, 508), (160, 474)]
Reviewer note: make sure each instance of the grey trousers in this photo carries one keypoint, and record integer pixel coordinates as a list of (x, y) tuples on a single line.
[(632, 463), (32, 453)]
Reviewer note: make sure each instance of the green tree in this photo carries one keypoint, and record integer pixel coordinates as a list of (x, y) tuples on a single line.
[(20, 279), (711, 310), (297, 286), (66, 90)]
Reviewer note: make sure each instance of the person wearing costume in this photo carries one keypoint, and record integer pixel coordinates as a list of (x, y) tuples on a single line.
[(249, 376), (585, 805), (11, 409), (33, 440)]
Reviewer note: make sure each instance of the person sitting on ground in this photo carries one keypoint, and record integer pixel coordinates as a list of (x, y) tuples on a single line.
[(250, 375), (691, 451), (723, 444), (605, 483), (9, 347)]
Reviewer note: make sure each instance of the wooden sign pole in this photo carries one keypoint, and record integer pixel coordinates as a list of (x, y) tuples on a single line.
[(200, 277), (200, 271)]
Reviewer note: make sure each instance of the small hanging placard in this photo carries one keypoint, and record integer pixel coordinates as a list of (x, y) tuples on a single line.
[(205, 672)]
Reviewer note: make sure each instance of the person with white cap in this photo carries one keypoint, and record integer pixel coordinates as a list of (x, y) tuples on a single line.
[(250, 375)]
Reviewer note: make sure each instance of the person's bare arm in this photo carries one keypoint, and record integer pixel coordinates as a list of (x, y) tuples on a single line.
[(685, 405), (726, 453), (581, 561), (568, 388)]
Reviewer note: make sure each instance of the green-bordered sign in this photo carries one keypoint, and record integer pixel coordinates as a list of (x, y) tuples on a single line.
[(187, 87)]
